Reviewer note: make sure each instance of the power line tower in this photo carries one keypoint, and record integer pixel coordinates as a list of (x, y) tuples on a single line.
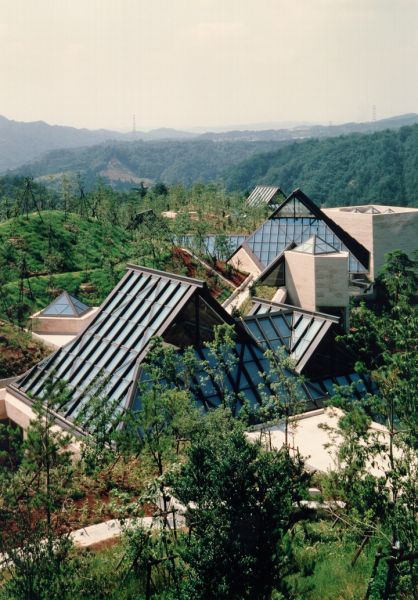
[(374, 113), (133, 125)]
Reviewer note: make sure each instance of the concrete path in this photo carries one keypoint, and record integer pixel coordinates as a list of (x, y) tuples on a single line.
[(108, 530), (239, 296)]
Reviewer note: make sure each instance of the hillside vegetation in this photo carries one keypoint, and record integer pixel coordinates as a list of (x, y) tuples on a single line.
[(381, 167), (124, 164), (83, 244), (354, 169), (18, 351)]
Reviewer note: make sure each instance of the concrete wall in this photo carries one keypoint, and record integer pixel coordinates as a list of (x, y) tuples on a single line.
[(358, 225), (317, 280), (242, 261), (13, 408), (61, 325), (380, 233), (331, 279), (300, 279)]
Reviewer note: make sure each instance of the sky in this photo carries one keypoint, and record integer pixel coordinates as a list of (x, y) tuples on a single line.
[(206, 63)]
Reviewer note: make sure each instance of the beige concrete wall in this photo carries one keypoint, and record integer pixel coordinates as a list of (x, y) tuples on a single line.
[(3, 413), (380, 233), (61, 325), (17, 411), (21, 414), (243, 262), (300, 279), (317, 280), (331, 279), (358, 225)]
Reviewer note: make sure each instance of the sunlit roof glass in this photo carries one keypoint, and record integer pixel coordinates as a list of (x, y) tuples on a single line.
[(295, 224), (65, 305)]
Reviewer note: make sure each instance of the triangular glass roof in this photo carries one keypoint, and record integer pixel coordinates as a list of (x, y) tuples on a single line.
[(315, 245), (293, 208), (297, 332), (65, 305), (106, 357), (264, 194), (294, 222)]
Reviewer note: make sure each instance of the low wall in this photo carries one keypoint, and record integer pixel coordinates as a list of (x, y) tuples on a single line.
[(5, 382), (238, 290)]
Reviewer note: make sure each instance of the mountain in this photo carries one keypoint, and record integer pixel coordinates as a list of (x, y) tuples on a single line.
[(381, 167), (172, 156), (305, 131), (124, 164), (23, 142)]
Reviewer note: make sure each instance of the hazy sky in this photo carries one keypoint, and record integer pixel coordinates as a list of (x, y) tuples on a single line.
[(184, 63)]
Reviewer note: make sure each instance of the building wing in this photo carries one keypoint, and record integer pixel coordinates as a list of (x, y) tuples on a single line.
[(295, 221), (269, 195)]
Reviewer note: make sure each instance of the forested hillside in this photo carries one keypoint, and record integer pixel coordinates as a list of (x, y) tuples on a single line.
[(124, 164), (81, 241), (381, 167), (354, 169)]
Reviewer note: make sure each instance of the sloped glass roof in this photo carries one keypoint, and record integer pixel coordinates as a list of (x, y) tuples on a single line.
[(264, 194), (104, 356), (65, 305), (207, 245), (315, 245), (296, 332), (106, 359), (294, 223)]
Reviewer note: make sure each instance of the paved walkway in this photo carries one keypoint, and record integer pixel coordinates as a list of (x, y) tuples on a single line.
[(108, 530)]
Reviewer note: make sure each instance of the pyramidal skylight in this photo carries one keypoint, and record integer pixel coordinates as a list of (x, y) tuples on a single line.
[(65, 305), (315, 245)]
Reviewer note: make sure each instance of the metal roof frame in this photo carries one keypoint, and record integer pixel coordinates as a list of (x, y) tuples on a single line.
[(355, 249)]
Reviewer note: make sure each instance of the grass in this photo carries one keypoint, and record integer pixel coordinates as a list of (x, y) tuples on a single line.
[(18, 351), (265, 292), (81, 243), (87, 258), (324, 555)]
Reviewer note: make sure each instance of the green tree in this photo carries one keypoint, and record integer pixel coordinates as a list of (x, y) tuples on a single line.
[(384, 503), (240, 502), (35, 536)]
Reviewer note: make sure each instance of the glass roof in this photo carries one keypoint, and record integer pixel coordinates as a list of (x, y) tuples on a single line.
[(104, 356), (298, 333), (295, 223), (315, 245), (207, 245), (105, 360), (65, 305), (264, 194)]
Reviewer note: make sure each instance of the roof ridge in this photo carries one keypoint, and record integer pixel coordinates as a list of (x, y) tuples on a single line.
[(167, 275)]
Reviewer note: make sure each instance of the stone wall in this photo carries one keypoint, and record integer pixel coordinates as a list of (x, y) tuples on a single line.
[(61, 325), (242, 261), (300, 279), (331, 279), (380, 233)]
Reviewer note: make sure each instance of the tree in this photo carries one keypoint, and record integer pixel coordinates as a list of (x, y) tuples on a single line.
[(221, 360), (240, 502), (384, 504), (285, 396), (35, 537)]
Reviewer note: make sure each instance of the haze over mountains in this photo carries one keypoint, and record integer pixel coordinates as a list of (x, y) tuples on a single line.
[(22, 142)]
